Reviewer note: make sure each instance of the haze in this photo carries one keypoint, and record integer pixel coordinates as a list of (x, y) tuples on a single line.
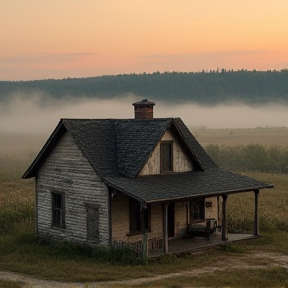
[(41, 115)]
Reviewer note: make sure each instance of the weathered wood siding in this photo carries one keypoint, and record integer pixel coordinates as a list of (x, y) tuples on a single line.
[(68, 172), (181, 162), (120, 218)]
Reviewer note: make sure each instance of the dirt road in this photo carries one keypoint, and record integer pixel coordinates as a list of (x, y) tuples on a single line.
[(242, 262)]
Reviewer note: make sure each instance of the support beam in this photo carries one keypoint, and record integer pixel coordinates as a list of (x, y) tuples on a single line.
[(110, 242), (145, 251), (256, 217), (224, 219), (165, 228)]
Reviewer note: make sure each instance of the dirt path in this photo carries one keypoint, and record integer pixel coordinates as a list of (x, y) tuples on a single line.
[(242, 262)]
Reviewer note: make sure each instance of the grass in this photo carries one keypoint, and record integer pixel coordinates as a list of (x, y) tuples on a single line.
[(266, 136), (249, 278), (21, 252), (11, 284)]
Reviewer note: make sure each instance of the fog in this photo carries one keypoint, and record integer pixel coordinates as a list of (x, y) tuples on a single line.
[(39, 114)]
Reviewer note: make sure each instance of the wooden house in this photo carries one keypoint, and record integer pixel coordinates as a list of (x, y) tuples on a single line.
[(101, 181)]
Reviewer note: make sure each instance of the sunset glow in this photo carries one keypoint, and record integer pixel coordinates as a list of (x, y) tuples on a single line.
[(73, 38)]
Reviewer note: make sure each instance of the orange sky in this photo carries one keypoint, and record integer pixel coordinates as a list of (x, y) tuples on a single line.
[(42, 39)]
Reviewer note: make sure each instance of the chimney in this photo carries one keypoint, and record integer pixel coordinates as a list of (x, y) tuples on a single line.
[(143, 109)]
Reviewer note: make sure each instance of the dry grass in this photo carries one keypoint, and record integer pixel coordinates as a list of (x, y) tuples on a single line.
[(242, 136)]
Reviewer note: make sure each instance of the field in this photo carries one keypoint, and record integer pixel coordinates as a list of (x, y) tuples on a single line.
[(20, 252), (266, 136)]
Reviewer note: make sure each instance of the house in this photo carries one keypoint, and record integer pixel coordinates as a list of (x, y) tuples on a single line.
[(99, 181)]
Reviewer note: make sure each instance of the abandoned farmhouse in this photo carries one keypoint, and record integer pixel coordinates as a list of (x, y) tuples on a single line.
[(103, 181)]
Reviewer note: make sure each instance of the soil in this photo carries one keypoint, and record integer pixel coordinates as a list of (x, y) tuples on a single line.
[(243, 262)]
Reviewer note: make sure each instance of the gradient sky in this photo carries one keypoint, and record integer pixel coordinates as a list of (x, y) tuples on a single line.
[(41, 39)]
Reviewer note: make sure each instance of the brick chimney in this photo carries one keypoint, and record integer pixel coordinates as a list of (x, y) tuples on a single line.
[(143, 109)]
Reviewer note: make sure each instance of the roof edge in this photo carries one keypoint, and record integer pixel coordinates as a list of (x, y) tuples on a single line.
[(45, 151)]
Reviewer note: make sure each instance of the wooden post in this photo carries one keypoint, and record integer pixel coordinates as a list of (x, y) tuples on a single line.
[(256, 218), (145, 234), (111, 194), (165, 228), (224, 219), (145, 247)]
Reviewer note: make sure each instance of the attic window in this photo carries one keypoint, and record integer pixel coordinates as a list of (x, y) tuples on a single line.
[(166, 155), (58, 213)]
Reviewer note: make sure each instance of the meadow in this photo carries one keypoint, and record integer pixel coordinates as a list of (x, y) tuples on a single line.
[(21, 252)]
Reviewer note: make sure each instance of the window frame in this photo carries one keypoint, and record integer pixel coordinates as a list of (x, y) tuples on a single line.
[(135, 214), (163, 166), (200, 206), (55, 223)]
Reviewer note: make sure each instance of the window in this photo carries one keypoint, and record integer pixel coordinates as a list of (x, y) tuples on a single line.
[(58, 215), (135, 216), (197, 210), (166, 156)]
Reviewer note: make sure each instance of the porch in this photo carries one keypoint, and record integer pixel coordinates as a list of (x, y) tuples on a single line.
[(195, 244)]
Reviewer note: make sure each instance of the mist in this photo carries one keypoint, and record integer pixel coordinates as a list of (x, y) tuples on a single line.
[(40, 114)]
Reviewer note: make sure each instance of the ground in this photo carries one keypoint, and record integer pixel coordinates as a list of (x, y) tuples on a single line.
[(254, 260)]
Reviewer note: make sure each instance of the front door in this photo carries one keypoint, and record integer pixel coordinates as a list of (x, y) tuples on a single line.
[(92, 223), (171, 221)]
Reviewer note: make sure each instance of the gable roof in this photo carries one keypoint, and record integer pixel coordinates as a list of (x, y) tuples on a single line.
[(116, 147)]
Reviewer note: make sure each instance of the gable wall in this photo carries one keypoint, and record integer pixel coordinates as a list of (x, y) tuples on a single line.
[(181, 161), (66, 170)]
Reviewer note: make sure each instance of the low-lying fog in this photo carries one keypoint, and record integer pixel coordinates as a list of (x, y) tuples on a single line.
[(41, 115)]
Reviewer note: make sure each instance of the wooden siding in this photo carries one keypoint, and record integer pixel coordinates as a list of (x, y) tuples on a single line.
[(181, 161), (68, 172), (120, 218)]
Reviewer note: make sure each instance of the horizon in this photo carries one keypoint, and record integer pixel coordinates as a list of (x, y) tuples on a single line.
[(218, 70), (113, 37)]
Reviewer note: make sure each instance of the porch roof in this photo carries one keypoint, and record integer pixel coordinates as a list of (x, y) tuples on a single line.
[(188, 185)]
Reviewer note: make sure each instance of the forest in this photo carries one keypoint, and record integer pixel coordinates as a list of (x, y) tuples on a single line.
[(205, 88)]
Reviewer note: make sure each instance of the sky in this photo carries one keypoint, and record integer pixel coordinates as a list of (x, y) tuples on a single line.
[(44, 39)]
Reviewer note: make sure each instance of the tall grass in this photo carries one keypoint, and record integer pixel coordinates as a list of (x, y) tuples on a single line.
[(251, 157), (273, 205)]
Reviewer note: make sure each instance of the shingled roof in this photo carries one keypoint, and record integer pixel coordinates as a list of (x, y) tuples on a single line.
[(119, 146), (188, 185), (117, 149)]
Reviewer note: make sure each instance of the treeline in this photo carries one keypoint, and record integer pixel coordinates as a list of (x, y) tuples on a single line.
[(252, 157), (207, 88)]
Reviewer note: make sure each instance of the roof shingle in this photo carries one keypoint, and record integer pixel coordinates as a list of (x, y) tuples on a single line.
[(117, 149)]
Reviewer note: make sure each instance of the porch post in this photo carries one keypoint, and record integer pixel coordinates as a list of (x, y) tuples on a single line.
[(224, 219), (256, 218), (165, 228), (110, 197)]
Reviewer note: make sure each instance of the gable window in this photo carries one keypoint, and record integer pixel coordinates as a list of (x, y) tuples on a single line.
[(136, 217), (197, 210), (166, 156), (58, 212)]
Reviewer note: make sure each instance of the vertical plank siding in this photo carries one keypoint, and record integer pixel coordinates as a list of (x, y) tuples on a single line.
[(68, 172), (181, 162)]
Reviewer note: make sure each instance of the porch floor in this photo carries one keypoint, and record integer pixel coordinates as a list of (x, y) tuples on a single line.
[(194, 244)]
